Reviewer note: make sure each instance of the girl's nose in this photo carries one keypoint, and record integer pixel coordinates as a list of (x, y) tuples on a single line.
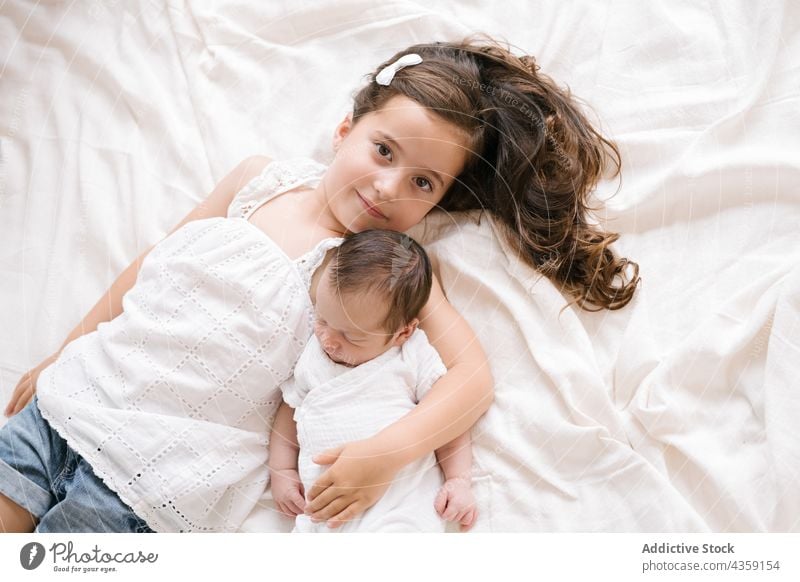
[(387, 184)]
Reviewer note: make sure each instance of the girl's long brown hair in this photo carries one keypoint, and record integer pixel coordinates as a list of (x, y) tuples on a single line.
[(534, 160)]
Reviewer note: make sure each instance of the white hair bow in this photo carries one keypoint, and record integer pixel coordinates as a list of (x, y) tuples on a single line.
[(387, 73)]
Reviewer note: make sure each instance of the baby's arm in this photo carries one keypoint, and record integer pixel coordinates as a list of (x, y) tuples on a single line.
[(455, 501), (287, 489), (110, 304), (363, 470)]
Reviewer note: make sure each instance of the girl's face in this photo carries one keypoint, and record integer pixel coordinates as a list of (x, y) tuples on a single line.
[(392, 167)]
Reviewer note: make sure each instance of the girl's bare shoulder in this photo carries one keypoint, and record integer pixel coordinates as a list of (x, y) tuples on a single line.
[(251, 167)]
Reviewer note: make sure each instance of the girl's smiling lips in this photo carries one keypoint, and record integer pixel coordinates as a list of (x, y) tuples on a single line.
[(370, 208)]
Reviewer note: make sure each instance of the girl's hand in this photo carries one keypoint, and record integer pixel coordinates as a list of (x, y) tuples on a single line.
[(455, 502), (287, 491), (27, 387), (357, 479)]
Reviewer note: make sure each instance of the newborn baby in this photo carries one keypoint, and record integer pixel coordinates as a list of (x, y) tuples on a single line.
[(366, 366)]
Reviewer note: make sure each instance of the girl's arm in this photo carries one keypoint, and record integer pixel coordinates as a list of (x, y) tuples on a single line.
[(363, 470), (110, 304)]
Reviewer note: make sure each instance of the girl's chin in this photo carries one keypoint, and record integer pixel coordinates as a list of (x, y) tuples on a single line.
[(360, 224)]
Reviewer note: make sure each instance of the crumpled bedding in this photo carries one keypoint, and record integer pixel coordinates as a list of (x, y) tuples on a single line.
[(673, 414)]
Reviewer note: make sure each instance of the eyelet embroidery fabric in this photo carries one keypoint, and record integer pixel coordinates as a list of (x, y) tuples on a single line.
[(277, 178), (172, 401)]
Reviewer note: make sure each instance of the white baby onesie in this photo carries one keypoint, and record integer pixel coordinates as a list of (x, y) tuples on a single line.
[(336, 404)]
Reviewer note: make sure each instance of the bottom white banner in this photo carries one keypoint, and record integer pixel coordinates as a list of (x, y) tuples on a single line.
[(354, 557)]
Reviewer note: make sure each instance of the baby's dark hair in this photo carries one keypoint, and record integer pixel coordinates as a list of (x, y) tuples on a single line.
[(386, 262), (534, 159)]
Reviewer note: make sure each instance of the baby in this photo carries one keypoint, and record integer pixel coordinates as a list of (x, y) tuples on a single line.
[(366, 366)]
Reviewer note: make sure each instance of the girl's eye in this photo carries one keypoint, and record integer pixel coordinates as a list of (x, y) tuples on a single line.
[(383, 150), (424, 183)]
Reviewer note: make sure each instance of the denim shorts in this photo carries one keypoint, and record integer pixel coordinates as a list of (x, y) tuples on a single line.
[(39, 472)]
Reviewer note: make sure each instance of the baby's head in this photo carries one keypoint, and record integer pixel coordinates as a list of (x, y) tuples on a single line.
[(370, 295)]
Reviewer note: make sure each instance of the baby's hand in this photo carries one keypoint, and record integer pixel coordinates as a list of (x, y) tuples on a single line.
[(455, 502), (287, 491)]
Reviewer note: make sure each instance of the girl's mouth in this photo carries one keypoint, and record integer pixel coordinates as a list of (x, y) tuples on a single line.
[(370, 208)]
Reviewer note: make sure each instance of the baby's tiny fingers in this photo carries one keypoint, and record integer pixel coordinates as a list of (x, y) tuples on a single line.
[(440, 502), (450, 514), (469, 519)]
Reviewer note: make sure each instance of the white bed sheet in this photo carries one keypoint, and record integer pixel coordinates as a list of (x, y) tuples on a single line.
[(673, 414)]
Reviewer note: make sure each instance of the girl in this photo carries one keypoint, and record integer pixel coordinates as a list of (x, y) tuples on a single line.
[(459, 126)]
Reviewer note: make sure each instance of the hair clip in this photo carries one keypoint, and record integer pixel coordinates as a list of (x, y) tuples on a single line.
[(387, 73)]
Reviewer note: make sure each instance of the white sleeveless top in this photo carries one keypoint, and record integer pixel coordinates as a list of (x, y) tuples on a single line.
[(172, 401)]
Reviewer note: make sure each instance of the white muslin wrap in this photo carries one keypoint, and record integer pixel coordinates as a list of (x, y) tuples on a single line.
[(336, 404)]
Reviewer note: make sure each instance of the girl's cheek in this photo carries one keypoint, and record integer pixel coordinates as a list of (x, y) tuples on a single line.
[(405, 217)]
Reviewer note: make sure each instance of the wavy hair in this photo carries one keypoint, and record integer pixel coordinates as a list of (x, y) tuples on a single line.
[(534, 160)]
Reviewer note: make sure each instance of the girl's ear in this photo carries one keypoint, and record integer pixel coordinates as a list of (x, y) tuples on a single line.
[(342, 130)]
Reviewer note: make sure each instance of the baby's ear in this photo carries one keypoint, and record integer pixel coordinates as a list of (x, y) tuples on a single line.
[(342, 131), (406, 332)]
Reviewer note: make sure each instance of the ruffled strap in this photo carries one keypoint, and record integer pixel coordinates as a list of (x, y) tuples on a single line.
[(310, 262), (277, 177)]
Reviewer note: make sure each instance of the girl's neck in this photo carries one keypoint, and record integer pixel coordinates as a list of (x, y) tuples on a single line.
[(322, 211)]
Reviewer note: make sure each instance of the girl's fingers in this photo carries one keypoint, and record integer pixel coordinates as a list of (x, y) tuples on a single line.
[(323, 497), (24, 399), (328, 457), (348, 514), (320, 504), (334, 508), (319, 486), (15, 395), (18, 401), (450, 514)]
